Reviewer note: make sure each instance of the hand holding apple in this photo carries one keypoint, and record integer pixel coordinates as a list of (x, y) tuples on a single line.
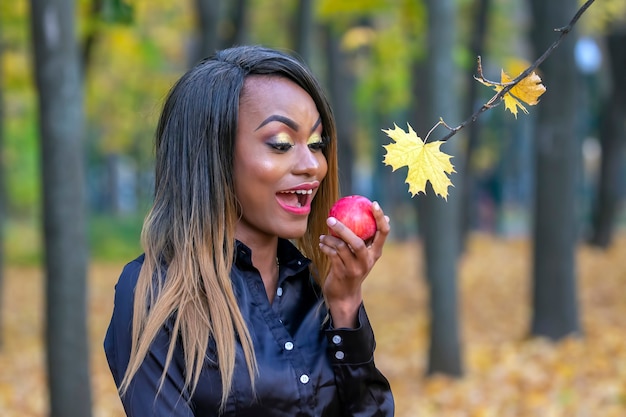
[(352, 255), (355, 212)]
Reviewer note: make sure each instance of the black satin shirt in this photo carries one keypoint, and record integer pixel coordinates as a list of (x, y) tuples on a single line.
[(306, 367)]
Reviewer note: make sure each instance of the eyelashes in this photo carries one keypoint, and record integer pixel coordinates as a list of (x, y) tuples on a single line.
[(283, 142), (281, 147), (316, 142)]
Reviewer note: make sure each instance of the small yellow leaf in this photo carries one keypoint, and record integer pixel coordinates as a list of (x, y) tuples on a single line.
[(528, 91), (424, 160)]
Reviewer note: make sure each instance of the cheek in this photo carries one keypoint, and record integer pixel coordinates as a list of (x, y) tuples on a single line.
[(261, 171), (251, 173), (323, 166)]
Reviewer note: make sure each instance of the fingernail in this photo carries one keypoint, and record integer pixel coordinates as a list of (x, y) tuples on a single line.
[(331, 221), (387, 218), (376, 206)]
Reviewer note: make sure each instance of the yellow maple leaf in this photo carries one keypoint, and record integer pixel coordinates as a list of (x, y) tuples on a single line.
[(528, 90), (425, 161)]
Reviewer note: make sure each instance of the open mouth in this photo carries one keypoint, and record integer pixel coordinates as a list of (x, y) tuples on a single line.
[(295, 198)]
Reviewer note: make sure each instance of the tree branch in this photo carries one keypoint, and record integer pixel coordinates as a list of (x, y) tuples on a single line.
[(496, 99)]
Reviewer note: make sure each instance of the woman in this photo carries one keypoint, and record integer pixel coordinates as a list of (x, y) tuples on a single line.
[(223, 314)]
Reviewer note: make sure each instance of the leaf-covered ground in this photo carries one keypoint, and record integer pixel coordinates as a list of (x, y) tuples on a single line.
[(507, 374)]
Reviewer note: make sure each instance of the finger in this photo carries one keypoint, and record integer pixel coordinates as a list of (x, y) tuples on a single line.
[(344, 233), (382, 221), (335, 248), (344, 260), (383, 229)]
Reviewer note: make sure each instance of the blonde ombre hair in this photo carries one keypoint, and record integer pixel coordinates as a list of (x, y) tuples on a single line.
[(189, 234)]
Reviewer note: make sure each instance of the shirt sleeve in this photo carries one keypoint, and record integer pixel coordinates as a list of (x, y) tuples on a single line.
[(363, 390), (143, 398)]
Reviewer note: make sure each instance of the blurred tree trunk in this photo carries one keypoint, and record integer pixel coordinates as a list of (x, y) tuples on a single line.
[(99, 11), (208, 18), (304, 30), (58, 77), (439, 220), (219, 25), (113, 203), (613, 142), (476, 46), (236, 24), (3, 194), (557, 147), (341, 85)]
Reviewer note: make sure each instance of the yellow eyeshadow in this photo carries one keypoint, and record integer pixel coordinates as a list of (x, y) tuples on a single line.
[(284, 138), (315, 138)]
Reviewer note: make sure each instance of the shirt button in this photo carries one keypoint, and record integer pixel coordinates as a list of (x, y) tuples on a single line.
[(279, 291), (304, 378), (288, 346), (300, 263), (336, 339), (339, 355)]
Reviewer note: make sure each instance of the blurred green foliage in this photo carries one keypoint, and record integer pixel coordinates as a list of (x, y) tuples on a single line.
[(117, 11), (142, 46), (22, 159), (115, 238), (111, 239)]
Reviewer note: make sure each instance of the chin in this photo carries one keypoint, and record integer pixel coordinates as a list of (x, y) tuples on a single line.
[(293, 233)]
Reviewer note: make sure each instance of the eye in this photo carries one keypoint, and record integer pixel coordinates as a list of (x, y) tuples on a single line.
[(317, 142), (318, 146), (281, 146), (281, 142)]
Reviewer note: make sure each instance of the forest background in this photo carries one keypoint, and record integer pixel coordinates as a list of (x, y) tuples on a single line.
[(516, 211)]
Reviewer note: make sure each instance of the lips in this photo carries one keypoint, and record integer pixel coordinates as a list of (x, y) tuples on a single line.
[(296, 201), (294, 198)]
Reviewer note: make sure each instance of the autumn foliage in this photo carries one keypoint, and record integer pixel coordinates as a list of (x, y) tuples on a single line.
[(507, 374), (426, 162), (528, 91)]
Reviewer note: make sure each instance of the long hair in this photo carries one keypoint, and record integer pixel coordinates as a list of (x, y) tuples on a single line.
[(189, 234)]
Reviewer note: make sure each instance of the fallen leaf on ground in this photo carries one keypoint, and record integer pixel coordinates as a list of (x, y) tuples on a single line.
[(506, 373)]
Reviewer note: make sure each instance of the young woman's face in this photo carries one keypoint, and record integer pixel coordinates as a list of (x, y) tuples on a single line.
[(279, 163)]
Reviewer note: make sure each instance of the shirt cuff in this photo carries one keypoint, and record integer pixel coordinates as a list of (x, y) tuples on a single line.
[(351, 346)]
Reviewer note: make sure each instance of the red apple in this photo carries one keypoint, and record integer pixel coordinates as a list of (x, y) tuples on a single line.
[(355, 212)]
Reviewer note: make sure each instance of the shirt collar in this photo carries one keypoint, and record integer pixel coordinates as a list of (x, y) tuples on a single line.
[(288, 255)]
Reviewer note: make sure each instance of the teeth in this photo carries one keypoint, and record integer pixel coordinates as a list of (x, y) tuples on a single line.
[(303, 192)]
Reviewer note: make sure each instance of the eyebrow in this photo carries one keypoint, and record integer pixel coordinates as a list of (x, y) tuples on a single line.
[(319, 122), (277, 118), (286, 121)]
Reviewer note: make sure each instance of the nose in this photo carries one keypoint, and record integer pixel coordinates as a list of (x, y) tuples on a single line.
[(309, 162)]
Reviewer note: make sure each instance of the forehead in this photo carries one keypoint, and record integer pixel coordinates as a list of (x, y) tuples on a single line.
[(263, 93), (255, 84)]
